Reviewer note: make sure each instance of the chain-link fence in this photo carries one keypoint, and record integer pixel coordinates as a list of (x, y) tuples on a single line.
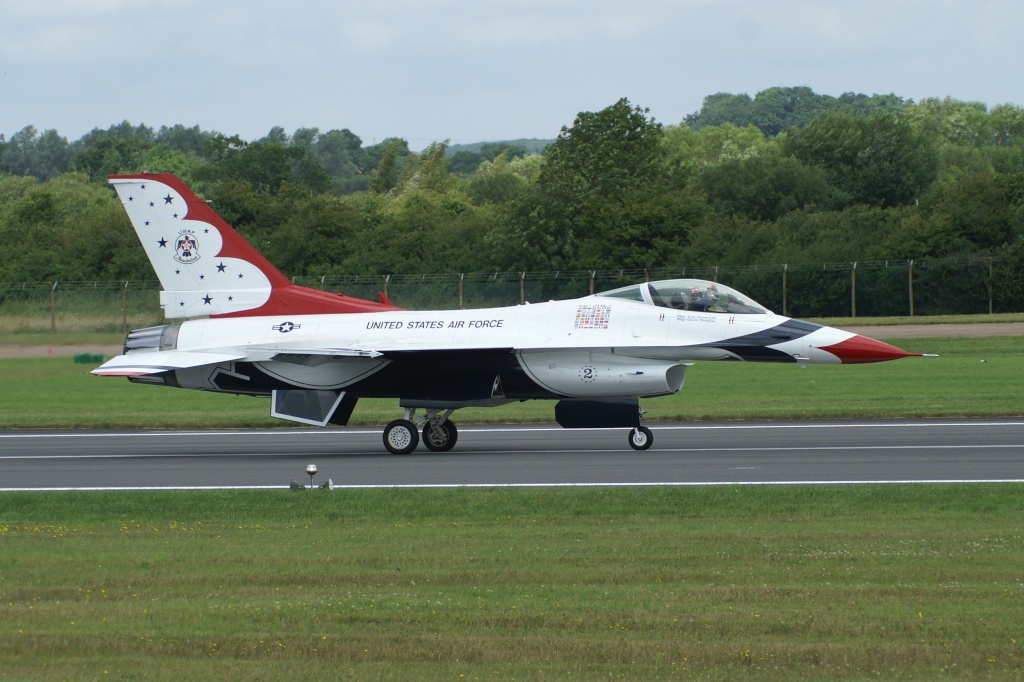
[(79, 306), (861, 289)]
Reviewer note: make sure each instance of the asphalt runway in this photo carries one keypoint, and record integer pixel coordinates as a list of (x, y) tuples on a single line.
[(539, 455)]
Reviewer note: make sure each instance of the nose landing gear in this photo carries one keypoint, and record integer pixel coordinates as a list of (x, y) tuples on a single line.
[(641, 438)]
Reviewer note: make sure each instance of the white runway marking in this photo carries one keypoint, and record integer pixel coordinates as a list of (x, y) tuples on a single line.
[(362, 430), (661, 484), (802, 448)]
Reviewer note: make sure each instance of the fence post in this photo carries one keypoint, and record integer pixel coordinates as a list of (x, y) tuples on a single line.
[(593, 274), (124, 308), (853, 290), (462, 279), (910, 284), (387, 278), (990, 287), (785, 289), (522, 288), (53, 307)]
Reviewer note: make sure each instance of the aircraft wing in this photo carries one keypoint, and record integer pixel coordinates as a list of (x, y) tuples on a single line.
[(154, 362)]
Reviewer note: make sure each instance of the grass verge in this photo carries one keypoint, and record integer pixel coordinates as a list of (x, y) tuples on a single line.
[(779, 583), (978, 376)]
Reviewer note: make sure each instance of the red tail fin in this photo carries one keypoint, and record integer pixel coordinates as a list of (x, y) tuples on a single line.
[(205, 267)]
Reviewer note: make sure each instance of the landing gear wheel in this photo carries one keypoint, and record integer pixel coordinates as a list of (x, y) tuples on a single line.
[(440, 438), (401, 437), (641, 438)]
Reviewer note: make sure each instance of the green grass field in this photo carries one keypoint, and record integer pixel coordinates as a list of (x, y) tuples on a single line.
[(56, 393), (799, 583)]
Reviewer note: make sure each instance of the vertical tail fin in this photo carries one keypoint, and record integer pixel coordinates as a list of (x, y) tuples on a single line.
[(205, 267)]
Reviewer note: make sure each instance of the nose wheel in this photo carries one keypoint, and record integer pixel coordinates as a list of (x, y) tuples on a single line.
[(641, 438)]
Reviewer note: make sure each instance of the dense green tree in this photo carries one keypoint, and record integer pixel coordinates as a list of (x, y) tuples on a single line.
[(608, 153), (113, 154), (338, 152), (952, 121), (418, 231), (978, 212), (501, 181), (370, 157), (879, 159), (264, 165), (855, 103), (719, 109), (425, 171), (277, 135), (317, 233), (161, 158), (688, 151), (1007, 125), (775, 110), (124, 129), (182, 139), (766, 187), (597, 187), (43, 156), (464, 162), (385, 176)]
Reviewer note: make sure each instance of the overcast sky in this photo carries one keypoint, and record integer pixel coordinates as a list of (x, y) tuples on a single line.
[(476, 70)]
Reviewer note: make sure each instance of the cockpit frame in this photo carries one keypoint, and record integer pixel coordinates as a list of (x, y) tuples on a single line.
[(689, 294)]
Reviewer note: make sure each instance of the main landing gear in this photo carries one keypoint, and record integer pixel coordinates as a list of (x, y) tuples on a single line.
[(402, 436), (439, 433)]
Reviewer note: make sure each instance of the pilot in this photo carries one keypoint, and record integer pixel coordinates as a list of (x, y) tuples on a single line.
[(701, 298)]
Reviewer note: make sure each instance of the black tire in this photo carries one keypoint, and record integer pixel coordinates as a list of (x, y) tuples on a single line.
[(442, 438), (401, 437), (641, 438)]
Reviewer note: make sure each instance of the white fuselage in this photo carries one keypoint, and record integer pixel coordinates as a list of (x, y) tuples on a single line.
[(600, 324)]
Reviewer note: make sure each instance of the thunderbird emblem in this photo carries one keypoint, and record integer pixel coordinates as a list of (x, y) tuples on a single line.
[(186, 248)]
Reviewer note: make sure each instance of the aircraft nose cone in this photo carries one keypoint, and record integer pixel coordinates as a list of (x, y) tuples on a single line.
[(861, 349)]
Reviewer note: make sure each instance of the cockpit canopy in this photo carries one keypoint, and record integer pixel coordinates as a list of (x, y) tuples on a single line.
[(689, 294)]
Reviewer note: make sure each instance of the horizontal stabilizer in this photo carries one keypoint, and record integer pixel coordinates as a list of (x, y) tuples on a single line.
[(139, 364), (183, 304)]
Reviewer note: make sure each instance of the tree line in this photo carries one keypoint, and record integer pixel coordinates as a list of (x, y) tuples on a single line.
[(788, 176)]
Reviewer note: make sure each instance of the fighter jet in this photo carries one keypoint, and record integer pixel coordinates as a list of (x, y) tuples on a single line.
[(314, 353)]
